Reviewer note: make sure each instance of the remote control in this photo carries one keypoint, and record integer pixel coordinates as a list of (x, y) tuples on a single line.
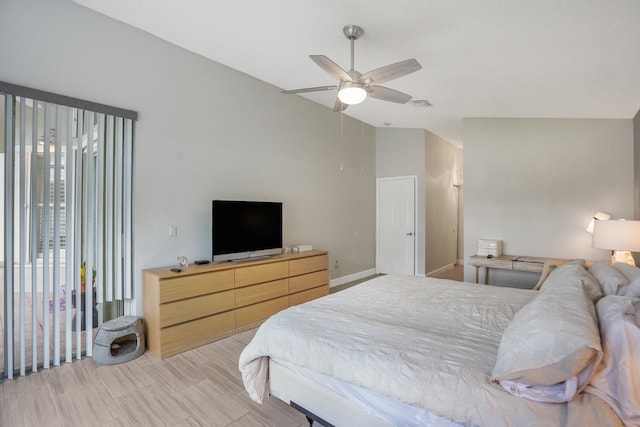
[(202, 261), (176, 270)]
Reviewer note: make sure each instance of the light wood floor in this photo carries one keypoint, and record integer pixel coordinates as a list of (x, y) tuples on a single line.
[(39, 328), (456, 273), (200, 387)]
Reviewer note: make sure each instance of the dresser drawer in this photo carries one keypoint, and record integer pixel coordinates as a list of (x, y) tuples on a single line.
[(307, 265), (308, 281), (197, 284), (193, 308), (185, 336), (256, 313), (308, 295), (204, 303), (252, 275), (262, 292)]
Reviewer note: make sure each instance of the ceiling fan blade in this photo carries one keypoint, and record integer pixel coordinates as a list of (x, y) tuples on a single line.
[(331, 67), (309, 89), (339, 106), (392, 71), (386, 94)]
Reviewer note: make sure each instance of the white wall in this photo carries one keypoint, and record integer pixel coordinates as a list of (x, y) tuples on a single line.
[(204, 132), (536, 183)]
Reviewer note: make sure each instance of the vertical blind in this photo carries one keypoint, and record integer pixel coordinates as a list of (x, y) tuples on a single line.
[(68, 209)]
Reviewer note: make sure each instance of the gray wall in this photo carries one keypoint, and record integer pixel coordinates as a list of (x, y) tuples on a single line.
[(401, 152), (536, 183), (636, 164), (443, 171), (205, 132), (437, 165)]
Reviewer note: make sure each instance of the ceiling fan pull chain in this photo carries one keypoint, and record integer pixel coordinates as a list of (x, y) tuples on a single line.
[(341, 141)]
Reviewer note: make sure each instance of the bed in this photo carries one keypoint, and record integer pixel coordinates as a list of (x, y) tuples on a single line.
[(407, 350)]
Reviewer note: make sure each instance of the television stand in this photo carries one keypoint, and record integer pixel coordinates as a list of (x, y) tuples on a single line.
[(204, 303), (251, 258)]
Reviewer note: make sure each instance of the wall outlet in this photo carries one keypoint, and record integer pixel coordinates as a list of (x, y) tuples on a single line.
[(337, 265), (173, 231)]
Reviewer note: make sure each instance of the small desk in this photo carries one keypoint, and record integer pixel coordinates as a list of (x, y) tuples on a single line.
[(506, 262)]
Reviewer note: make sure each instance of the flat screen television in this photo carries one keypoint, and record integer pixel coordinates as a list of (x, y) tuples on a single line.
[(244, 230)]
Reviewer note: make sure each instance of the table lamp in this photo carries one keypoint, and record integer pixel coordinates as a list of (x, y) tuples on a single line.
[(620, 236), (598, 216)]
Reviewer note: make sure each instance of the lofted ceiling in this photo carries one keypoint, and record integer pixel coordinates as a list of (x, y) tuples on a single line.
[(480, 58)]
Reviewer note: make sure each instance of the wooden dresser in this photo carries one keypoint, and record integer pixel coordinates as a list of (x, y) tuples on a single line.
[(204, 303)]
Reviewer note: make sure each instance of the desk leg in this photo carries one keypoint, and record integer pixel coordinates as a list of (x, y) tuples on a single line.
[(477, 268), (486, 275)]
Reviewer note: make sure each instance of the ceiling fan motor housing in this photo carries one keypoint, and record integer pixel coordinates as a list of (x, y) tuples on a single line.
[(352, 32)]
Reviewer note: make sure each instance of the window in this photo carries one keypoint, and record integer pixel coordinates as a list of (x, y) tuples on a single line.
[(68, 210)]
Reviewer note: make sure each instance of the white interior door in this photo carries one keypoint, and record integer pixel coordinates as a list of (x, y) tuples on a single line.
[(396, 225)]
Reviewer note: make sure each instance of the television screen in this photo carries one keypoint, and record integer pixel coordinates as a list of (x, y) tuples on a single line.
[(245, 229)]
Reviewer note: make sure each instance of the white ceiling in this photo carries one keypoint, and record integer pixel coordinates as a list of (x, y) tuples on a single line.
[(480, 58)]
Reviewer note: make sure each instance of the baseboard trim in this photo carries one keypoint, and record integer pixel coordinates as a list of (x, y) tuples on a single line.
[(440, 270), (351, 277)]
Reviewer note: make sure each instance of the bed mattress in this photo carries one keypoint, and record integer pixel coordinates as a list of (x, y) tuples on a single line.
[(428, 343)]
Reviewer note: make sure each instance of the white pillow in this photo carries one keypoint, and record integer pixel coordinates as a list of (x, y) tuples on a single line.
[(572, 270), (552, 342), (629, 271), (611, 280), (631, 290), (617, 379)]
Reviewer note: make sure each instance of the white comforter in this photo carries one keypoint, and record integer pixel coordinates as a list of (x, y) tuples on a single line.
[(426, 342)]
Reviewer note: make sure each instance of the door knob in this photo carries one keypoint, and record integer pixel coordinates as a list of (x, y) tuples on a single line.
[(409, 233)]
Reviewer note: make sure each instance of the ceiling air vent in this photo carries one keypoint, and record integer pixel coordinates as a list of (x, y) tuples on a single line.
[(419, 103)]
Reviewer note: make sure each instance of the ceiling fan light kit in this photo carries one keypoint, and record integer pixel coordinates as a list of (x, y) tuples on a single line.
[(354, 87), (352, 93)]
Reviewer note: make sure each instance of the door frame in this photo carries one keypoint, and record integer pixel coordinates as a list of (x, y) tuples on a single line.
[(416, 233)]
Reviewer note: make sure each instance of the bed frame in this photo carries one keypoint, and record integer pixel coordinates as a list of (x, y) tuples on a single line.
[(316, 402)]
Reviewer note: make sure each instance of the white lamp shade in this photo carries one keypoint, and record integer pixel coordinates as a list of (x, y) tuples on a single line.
[(616, 235), (598, 216), (352, 93)]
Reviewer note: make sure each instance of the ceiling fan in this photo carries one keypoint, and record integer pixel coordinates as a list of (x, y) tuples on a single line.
[(353, 87)]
